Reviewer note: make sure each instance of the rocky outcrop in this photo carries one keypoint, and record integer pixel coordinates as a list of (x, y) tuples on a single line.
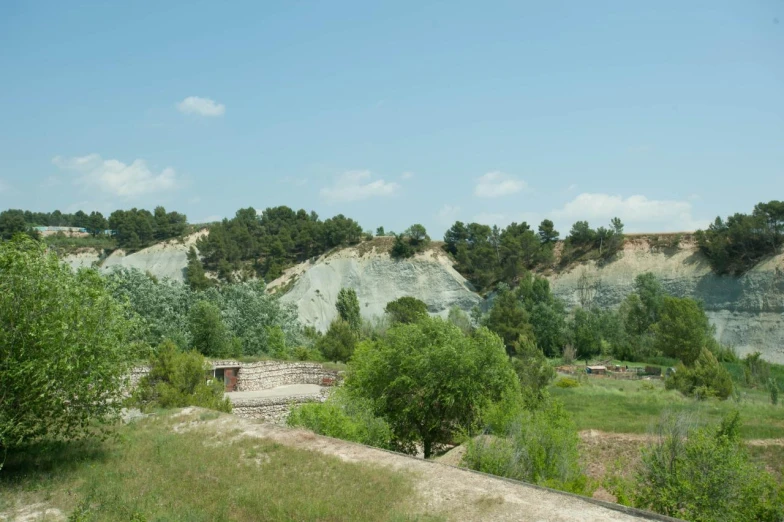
[(167, 259), (748, 311), (377, 279)]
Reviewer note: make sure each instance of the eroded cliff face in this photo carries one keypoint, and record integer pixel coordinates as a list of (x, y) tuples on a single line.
[(377, 280), (748, 311)]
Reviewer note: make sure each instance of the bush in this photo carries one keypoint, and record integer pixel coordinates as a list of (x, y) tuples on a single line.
[(343, 418), (703, 474), (567, 382), (406, 310), (178, 379), (338, 343), (65, 347), (707, 378), (539, 446)]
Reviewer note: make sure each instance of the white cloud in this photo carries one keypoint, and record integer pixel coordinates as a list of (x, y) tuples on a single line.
[(116, 178), (201, 106), (638, 213), (355, 185), (407, 175), (496, 184), (447, 214)]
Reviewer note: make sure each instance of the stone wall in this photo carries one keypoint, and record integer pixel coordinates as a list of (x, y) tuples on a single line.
[(265, 374), (272, 409), (271, 374)]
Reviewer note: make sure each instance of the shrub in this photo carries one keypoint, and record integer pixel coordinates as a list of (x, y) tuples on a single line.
[(703, 474), (569, 354), (539, 446), (338, 343), (65, 347), (406, 310), (178, 379), (343, 418), (707, 378), (567, 382)]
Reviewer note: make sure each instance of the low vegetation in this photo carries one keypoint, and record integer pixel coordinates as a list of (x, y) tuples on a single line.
[(149, 472)]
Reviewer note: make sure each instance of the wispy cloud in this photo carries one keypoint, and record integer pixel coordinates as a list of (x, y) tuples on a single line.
[(201, 106), (356, 185), (638, 213), (117, 178), (407, 175), (497, 184)]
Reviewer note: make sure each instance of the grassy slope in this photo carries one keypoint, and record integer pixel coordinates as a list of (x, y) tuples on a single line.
[(151, 473), (634, 406)]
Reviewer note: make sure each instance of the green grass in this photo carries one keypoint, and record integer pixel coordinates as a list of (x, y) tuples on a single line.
[(151, 473), (626, 406)]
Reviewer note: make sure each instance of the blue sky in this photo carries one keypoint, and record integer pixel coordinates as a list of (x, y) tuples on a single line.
[(664, 113)]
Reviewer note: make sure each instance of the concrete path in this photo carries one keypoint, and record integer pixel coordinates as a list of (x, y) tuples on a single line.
[(280, 391)]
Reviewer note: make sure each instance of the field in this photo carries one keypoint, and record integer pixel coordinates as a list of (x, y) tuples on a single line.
[(634, 406), (150, 472)]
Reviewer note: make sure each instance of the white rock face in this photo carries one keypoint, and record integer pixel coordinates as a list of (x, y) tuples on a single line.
[(748, 311), (167, 259), (377, 279)]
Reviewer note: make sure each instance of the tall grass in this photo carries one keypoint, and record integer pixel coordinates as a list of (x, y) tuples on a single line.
[(624, 406), (152, 473)]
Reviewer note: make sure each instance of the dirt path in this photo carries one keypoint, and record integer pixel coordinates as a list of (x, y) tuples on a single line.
[(455, 493)]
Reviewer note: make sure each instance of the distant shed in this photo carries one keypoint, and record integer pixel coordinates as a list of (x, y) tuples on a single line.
[(596, 370)]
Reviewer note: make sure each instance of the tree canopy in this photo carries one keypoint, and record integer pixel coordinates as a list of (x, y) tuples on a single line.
[(269, 242), (427, 379), (406, 309)]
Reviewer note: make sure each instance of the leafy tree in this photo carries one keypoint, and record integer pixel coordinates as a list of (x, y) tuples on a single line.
[(406, 310), (401, 249), (195, 276), (178, 379), (586, 333), (348, 308), (96, 223), (380, 231), (428, 380), (65, 347), (417, 235), (683, 329), (339, 342), (208, 332), (704, 474), (547, 314), (581, 234)]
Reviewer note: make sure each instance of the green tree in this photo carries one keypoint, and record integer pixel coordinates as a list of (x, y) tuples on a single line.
[(428, 380), (509, 319), (348, 308), (339, 342), (547, 232), (12, 223), (65, 347), (704, 474), (683, 329), (195, 276), (417, 236), (380, 231), (533, 370), (178, 379), (704, 378), (208, 332), (406, 310), (96, 223)]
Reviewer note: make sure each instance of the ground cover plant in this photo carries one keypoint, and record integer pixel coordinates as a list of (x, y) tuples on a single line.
[(149, 472)]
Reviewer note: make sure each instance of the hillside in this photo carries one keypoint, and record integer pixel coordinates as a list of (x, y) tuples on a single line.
[(748, 311)]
